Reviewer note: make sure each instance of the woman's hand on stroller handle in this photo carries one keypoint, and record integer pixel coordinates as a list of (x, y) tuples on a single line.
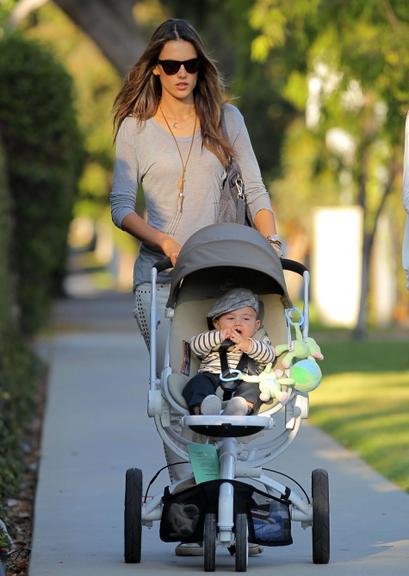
[(170, 248)]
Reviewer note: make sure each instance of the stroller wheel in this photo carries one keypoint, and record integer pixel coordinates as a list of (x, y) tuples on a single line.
[(241, 542), (133, 515), (320, 521), (209, 543)]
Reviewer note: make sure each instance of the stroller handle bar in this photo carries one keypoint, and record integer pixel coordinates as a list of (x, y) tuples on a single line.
[(163, 264), (287, 264), (293, 266)]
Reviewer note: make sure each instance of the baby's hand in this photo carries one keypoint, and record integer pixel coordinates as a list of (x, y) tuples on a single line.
[(225, 334), (242, 343)]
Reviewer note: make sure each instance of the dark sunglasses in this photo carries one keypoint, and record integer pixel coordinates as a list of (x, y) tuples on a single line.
[(171, 67)]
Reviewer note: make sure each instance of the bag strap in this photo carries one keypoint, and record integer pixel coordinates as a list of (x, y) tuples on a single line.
[(236, 182), (233, 171)]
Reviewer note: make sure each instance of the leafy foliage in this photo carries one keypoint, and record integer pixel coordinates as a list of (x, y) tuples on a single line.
[(6, 6), (16, 382), (346, 66), (95, 86), (44, 153)]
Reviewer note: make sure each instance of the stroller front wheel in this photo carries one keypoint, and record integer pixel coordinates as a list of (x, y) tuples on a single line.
[(133, 516), (241, 542), (209, 543)]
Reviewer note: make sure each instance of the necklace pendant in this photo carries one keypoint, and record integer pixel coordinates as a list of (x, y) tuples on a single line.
[(181, 186), (181, 197)]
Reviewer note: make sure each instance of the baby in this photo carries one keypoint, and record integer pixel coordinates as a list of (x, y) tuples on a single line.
[(235, 317)]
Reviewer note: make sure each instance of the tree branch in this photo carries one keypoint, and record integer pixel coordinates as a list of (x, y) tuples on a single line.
[(111, 25), (22, 10), (388, 188)]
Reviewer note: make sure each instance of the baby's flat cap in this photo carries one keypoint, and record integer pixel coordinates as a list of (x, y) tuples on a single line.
[(232, 300)]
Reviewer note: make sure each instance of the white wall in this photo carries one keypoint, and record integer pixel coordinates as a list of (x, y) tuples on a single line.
[(336, 264)]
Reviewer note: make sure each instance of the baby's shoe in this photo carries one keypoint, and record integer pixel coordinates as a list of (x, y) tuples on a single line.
[(237, 406), (211, 405)]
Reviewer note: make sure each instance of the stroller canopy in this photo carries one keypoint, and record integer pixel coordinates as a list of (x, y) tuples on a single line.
[(230, 249)]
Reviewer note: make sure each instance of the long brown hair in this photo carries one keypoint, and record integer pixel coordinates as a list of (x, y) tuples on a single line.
[(141, 92)]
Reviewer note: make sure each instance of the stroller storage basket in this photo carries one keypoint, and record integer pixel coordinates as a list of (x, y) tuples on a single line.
[(269, 520), (184, 513)]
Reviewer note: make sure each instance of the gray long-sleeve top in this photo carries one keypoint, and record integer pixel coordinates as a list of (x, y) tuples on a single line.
[(147, 155)]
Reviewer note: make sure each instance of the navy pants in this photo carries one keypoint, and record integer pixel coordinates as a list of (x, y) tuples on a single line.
[(205, 383)]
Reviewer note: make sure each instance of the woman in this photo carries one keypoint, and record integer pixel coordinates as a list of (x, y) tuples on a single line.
[(169, 140)]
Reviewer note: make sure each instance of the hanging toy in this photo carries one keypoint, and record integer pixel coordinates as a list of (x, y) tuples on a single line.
[(301, 370)]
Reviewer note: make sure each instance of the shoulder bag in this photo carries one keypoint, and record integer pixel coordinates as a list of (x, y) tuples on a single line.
[(233, 205)]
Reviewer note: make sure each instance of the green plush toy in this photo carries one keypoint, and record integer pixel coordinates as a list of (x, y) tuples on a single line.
[(301, 370), (269, 385), (304, 375)]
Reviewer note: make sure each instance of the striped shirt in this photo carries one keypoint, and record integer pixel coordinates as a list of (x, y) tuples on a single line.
[(206, 347)]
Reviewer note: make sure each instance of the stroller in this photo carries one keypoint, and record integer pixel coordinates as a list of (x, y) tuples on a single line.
[(222, 503)]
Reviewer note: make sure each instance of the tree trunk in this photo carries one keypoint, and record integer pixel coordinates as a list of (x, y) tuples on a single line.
[(111, 25), (368, 242), (360, 326)]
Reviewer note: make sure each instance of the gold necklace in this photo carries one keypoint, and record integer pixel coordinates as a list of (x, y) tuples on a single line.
[(175, 123), (181, 181)]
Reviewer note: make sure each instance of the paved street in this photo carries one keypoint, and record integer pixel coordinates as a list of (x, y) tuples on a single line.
[(96, 427)]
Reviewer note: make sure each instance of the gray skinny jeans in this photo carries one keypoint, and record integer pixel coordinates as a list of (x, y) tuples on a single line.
[(142, 315)]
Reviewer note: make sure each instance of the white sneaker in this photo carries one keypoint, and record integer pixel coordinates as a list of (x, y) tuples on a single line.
[(236, 406), (211, 405)]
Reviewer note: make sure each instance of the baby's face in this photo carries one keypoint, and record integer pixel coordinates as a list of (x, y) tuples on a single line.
[(243, 320)]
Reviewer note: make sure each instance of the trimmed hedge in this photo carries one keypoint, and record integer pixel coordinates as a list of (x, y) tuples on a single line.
[(44, 154), (40, 163), (16, 380)]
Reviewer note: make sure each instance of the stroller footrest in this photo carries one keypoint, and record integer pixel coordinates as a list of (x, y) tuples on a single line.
[(227, 426)]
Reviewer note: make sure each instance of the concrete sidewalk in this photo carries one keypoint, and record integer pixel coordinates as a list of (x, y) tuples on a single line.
[(96, 427)]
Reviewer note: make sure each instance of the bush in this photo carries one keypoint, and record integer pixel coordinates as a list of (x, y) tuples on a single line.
[(16, 381), (44, 158)]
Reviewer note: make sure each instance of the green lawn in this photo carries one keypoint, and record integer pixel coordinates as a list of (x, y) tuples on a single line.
[(363, 402)]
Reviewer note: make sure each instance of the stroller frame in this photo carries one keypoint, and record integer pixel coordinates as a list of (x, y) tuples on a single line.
[(237, 460)]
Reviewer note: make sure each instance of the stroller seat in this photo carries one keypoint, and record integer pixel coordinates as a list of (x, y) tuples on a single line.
[(189, 319)]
